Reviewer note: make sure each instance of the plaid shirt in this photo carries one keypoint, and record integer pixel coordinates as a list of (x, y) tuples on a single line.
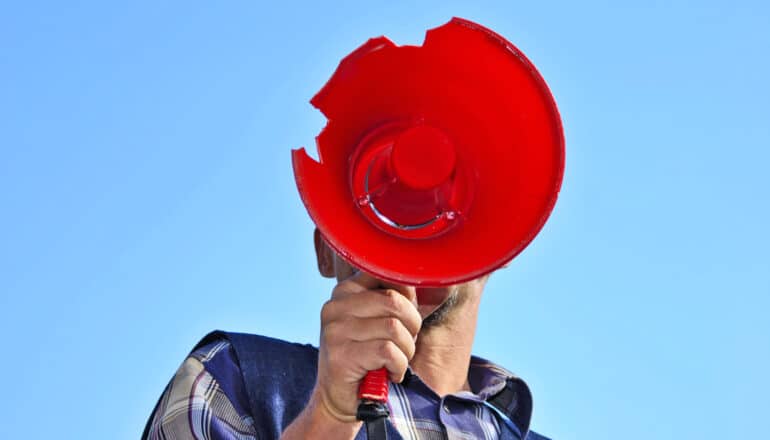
[(206, 399)]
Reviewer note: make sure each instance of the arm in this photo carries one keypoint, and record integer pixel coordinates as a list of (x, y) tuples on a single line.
[(317, 419), (363, 328)]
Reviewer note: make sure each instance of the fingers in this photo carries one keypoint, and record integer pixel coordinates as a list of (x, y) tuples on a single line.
[(376, 354), (373, 304), (368, 324), (358, 282), (409, 292), (369, 329), (361, 281)]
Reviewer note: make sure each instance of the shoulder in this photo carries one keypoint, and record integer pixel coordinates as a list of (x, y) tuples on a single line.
[(228, 384), (266, 361), (279, 377), (505, 391), (246, 343), (205, 398)]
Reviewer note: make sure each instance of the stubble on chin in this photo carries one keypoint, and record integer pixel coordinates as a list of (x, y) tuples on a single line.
[(444, 311)]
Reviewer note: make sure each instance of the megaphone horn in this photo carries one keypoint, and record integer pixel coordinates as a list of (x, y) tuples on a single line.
[(453, 148), (439, 163)]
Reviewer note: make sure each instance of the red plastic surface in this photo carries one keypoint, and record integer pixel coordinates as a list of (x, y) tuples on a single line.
[(422, 158), (440, 162), (374, 387)]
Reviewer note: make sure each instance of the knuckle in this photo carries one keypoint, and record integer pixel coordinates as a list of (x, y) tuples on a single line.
[(345, 286), (339, 287), (400, 364), (388, 350), (339, 290), (392, 301), (327, 311), (411, 349), (393, 326), (415, 324)]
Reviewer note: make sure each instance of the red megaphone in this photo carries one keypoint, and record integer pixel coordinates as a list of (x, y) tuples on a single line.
[(439, 163)]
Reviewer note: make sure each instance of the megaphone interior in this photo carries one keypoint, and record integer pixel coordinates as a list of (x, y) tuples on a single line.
[(439, 163)]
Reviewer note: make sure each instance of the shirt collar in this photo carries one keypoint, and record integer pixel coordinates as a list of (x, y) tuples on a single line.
[(497, 386), (487, 378)]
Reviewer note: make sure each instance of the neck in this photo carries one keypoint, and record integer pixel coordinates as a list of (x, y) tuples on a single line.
[(443, 352)]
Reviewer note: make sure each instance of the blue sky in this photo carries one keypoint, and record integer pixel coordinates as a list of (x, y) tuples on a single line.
[(146, 197)]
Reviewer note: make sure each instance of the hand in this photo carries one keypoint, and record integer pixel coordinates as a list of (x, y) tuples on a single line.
[(366, 325)]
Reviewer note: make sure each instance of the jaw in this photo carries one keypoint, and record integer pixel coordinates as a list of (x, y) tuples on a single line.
[(430, 299)]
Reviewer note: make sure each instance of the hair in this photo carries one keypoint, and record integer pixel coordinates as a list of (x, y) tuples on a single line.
[(440, 315)]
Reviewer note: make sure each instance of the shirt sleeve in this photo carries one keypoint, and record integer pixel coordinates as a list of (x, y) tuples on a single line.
[(205, 399)]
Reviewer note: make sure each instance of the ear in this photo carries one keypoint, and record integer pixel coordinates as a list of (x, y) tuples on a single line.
[(324, 255)]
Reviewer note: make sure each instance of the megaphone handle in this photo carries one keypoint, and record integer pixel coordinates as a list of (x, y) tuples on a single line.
[(374, 387), (373, 408)]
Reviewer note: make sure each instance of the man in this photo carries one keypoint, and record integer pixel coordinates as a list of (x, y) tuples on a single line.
[(242, 387)]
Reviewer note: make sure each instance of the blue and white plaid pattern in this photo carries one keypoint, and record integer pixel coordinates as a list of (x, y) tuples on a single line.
[(206, 399)]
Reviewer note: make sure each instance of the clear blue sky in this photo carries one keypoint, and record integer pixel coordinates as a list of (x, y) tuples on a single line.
[(146, 197)]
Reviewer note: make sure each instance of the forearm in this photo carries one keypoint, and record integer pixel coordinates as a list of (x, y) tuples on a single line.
[(317, 422)]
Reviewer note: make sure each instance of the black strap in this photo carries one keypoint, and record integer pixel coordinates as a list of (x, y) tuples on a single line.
[(515, 402), (374, 414), (375, 430)]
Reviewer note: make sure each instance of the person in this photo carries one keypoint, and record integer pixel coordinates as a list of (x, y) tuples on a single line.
[(235, 386)]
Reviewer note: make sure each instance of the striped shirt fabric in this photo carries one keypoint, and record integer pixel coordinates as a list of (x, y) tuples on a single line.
[(206, 399)]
